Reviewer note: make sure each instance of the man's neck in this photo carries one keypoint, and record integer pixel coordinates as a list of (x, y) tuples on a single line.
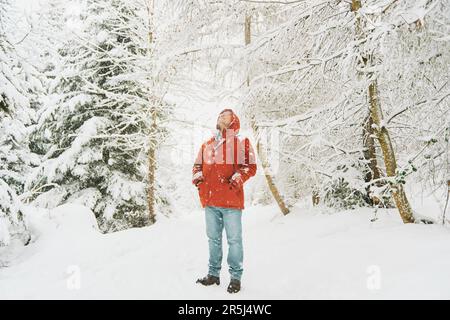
[(220, 135)]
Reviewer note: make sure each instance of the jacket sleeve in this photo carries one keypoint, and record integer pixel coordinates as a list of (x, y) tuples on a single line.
[(246, 160), (198, 165)]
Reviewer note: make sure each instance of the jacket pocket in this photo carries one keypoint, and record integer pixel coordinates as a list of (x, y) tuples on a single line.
[(231, 195), (237, 191)]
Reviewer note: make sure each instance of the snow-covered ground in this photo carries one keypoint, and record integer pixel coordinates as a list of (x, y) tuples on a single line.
[(304, 255)]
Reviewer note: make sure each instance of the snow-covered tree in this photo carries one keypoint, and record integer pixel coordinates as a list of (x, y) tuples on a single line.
[(310, 80), (99, 122), (19, 86)]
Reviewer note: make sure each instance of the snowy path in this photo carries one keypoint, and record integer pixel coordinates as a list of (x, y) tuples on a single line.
[(301, 256)]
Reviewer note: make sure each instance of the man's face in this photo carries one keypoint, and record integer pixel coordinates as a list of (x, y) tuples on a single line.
[(225, 119)]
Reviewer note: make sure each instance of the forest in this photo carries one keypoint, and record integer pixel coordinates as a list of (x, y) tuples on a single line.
[(105, 103)]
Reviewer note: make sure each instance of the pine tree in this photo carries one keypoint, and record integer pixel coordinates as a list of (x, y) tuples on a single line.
[(96, 127), (18, 89)]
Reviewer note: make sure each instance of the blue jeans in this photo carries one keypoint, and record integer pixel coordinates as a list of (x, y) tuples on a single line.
[(216, 219)]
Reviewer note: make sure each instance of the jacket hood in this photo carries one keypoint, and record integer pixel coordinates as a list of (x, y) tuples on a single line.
[(234, 126)]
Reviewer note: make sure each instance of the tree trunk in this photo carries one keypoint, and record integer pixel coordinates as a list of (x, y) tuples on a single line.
[(269, 178), (259, 149), (153, 130), (381, 131), (388, 153), (247, 32), (446, 202), (371, 157), (151, 170), (368, 140)]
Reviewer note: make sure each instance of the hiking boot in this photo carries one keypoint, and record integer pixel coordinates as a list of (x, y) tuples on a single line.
[(209, 280), (234, 286)]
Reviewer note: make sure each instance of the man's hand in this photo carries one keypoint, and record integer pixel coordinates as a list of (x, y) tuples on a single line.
[(197, 178), (236, 181)]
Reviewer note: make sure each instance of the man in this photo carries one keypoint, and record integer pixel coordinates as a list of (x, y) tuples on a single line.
[(223, 164)]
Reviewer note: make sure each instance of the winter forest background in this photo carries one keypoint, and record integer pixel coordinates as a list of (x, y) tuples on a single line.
[(105, 103)]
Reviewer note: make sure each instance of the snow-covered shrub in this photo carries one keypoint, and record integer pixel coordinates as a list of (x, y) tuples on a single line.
[(12, 224)]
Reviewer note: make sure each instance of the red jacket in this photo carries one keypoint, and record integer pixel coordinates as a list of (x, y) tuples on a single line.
[(217, 161)]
